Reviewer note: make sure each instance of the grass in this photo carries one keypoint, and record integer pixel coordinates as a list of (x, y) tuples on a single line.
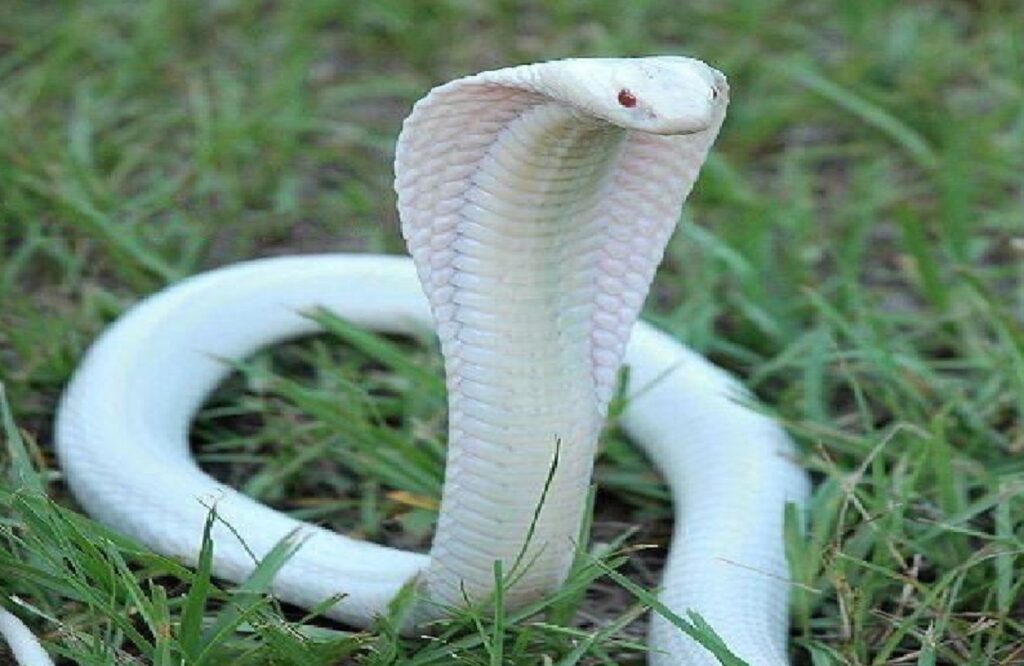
[(854, 250)]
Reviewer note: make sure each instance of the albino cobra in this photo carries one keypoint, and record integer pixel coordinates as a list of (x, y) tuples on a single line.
[(21, 642), (536, 202)]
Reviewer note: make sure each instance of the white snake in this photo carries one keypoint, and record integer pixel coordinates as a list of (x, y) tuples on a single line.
[(536, 202), (21, 642)]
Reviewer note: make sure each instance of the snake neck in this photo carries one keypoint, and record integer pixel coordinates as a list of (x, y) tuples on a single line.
[(515, 334)]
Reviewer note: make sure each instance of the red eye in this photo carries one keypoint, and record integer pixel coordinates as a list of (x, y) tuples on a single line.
[(627, 99)]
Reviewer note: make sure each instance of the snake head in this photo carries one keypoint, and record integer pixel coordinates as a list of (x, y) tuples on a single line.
[(658, 94)]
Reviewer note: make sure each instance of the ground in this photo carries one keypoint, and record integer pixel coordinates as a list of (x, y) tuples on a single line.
[(854, 251)]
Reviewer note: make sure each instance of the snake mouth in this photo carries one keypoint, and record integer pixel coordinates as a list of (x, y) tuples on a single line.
[(672, 127)]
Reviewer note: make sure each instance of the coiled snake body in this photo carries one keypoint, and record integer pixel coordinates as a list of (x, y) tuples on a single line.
[(536, 202)]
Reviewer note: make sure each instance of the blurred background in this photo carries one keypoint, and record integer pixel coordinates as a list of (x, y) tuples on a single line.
[(854, 248)]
